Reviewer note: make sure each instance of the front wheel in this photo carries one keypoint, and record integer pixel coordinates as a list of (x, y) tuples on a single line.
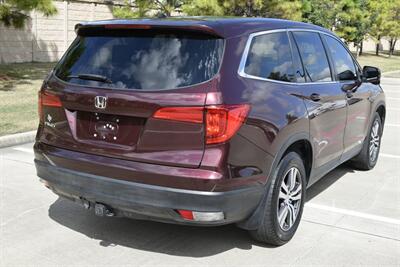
[(368, 156), (284, 202)]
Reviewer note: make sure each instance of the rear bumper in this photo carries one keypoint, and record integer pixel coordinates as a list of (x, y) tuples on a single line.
[(152, 202)]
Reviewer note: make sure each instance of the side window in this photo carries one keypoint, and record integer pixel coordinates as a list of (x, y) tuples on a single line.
[(312, 52), (342, 60), (270, 57)]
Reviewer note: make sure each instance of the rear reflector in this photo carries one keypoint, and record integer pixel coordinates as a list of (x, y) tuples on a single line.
[(186, 214), (221, 121), (201, 216)]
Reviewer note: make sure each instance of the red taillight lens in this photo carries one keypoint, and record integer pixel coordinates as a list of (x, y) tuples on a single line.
[(221, 121), (187, 114), (48, 100)]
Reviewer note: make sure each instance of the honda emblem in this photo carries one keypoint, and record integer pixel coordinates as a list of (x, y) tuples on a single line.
[(100, 102)]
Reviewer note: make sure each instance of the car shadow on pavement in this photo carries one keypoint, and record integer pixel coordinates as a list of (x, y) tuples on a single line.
[(328, 180), (178, 240)]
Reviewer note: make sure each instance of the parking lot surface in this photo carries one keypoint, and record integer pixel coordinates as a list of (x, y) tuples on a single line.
[(351, 218)]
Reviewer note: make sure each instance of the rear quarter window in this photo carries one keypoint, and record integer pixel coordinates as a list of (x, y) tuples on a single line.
[(270, 57), (142, 60)]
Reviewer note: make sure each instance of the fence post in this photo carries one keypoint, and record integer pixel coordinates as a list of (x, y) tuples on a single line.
[(34, 34), (65, 25), (93, 6)]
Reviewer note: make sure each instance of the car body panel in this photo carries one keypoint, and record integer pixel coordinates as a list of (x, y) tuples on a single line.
[(174, 155)]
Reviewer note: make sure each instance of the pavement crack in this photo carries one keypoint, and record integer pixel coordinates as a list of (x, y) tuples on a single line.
[(21, 214)]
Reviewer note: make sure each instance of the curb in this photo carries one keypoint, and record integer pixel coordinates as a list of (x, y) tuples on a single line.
[(17, 139)]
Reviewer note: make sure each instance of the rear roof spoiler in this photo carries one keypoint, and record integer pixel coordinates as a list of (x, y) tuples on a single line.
[(194, 28)]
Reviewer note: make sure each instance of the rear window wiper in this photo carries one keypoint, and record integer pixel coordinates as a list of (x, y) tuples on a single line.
[(92, 77)]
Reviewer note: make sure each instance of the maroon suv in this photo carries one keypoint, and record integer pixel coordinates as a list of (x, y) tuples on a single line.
[(205, 121)]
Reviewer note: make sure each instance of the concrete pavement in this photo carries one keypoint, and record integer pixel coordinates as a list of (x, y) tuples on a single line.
[(351, 218)]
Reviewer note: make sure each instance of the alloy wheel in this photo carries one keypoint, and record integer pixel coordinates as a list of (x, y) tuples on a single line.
[(289, 199), (374, 142)]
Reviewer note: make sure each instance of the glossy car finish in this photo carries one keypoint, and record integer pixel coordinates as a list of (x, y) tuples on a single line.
[(328, 130)]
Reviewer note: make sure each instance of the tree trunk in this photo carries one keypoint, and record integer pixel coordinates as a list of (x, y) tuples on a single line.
[(357, 50), (392, 46), (361, 48), (377, 46)]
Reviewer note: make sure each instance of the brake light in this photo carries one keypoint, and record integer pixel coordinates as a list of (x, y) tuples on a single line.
[(48, 100), (221, 121), (187, 114)]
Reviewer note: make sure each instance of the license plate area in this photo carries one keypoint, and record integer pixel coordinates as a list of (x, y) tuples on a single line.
[(113, 129)]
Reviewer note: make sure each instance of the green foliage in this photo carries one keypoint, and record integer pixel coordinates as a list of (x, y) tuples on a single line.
[(322, 13), (283, 9), (203, 8), (147, 8), (15, 12), (353, 20), (244, 8)]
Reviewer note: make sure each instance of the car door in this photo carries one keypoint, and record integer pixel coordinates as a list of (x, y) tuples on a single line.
[(347, 73), (325, 102)]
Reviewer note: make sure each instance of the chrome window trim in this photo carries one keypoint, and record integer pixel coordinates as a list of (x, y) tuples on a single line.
[(243, 60)]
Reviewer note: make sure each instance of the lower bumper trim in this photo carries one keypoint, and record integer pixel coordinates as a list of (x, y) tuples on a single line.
[(143, 201)]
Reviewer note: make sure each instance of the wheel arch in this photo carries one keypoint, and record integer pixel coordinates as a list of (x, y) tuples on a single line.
[(296, 143), (381, 110)]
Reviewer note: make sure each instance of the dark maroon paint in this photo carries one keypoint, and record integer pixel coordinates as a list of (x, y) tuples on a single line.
[(174, 154)]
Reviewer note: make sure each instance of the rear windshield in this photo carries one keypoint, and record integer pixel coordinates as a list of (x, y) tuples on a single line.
[(141, 60)]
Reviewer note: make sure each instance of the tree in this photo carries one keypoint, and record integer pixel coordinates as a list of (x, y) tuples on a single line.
[(353, 21), (15, 12), (247, 8), (393, 25), (291, 10), (147, 8), (380, 15), (322, 13)]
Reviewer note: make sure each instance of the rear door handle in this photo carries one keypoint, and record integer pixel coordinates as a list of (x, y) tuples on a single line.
[(315, 97)]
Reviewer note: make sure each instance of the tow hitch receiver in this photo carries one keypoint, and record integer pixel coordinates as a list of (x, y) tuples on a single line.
[(103, 210)]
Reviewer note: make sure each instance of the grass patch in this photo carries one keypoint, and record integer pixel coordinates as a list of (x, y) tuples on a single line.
[(19, 84), (383, 61)]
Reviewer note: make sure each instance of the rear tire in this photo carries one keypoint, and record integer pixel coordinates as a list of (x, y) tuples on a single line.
[(367, 158), (284, 202)]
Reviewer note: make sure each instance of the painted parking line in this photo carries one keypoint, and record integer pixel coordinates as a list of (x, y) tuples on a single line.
[(393, 98), (393, 109), (392, 125), (24, 149), (354, 213), (389, 156)]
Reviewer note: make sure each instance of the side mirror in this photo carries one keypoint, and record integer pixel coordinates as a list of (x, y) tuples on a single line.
[(372, 74)]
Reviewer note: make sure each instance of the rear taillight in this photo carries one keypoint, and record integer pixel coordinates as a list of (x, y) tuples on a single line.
[(221, 121), (187, 114), (47, 100)]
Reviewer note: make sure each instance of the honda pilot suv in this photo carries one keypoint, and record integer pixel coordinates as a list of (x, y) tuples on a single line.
[(205, 121)]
